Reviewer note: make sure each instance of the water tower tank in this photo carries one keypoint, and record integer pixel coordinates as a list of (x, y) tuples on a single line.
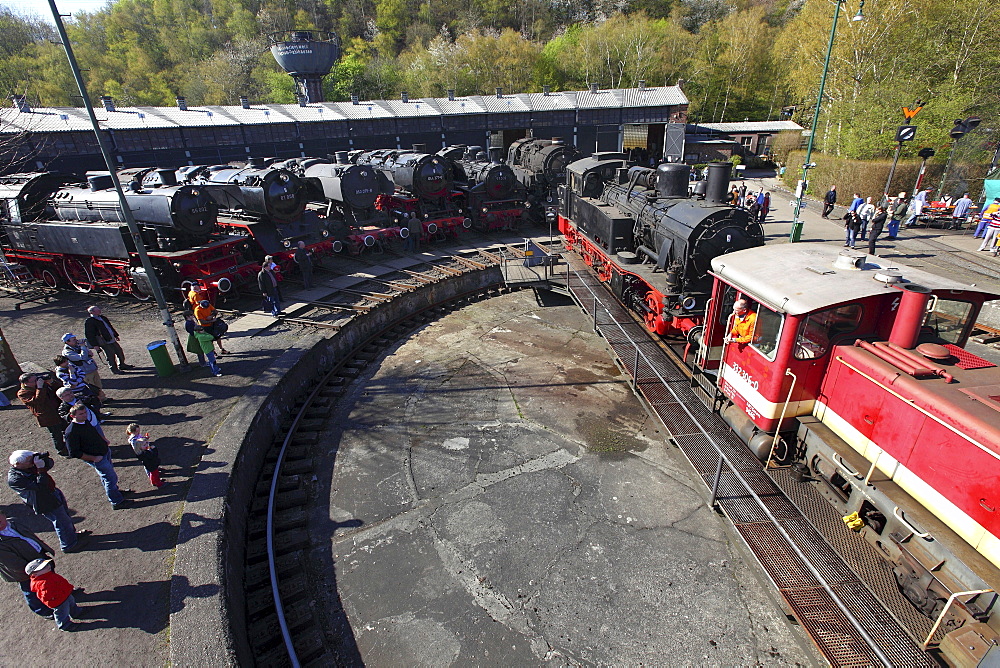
[(307, 55)]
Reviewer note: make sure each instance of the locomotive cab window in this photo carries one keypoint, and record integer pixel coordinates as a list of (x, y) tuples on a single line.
[(819, 329), (947, 321), (766, 331)]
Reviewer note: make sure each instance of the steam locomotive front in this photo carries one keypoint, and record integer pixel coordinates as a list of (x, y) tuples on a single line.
[(429, 176)]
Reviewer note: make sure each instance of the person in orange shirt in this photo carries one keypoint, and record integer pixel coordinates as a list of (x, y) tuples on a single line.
[(744, 322)]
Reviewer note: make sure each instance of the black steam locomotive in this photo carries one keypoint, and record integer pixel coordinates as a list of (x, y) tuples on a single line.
[(77, 235), (488, 190), (645, 236), (540, 166), (423, 188), (348, 196)]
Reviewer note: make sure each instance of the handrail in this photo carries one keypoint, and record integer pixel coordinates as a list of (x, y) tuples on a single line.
[(781, 418), (947, 606), (722, 455), (913, 529)]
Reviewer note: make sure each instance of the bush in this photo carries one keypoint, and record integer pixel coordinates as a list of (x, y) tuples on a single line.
[(857, 176)]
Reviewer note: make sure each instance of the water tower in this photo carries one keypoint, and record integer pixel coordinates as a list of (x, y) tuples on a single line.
[(308, 55)]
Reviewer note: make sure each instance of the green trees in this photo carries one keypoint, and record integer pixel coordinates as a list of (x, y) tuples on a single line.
[(739, 59)]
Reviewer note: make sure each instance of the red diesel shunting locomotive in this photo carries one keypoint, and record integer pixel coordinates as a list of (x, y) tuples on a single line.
[(860, 365)]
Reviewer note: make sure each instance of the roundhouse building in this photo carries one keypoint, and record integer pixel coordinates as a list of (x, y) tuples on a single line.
[(61, 139)]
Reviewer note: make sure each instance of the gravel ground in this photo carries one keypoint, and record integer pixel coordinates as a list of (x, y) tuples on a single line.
[(127, 566)]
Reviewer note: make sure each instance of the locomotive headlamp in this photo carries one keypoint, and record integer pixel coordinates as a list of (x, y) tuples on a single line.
[(286, 243), (337, 246), (527, 205), (485, 210), (326, 233), (427, 215), (177, 265), (688, 303)]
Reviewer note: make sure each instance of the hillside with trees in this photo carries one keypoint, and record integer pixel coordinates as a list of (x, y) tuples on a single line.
[(736, 59)]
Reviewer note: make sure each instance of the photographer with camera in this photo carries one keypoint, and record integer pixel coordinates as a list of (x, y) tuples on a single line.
[(38, 393), (29, 477)]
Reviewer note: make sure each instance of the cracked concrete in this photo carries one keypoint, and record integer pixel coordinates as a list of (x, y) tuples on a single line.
[(498, 496)]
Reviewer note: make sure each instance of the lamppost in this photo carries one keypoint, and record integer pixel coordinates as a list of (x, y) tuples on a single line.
[(800, 191)]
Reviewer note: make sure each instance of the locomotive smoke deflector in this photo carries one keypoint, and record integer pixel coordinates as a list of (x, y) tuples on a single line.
[(910, 315)]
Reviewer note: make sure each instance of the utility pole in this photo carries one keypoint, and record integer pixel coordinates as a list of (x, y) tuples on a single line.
[(133, 228)]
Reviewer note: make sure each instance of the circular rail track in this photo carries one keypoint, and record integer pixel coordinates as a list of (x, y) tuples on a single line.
[(282, 625)]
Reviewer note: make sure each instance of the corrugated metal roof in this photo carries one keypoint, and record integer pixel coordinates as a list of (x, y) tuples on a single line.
[(653, 97), (460, 105), (753, 126), (550, 102), (501, 105), (73, 119), (602, 99), (411, 109), (362, 110)]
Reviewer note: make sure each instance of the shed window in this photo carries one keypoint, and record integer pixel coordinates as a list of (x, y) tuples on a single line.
[(819, 329)]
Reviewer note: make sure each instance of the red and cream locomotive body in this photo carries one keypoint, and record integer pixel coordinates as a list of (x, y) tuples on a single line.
[(857, 374)]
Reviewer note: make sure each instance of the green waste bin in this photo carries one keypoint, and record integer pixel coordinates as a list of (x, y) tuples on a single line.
[(161, 358)]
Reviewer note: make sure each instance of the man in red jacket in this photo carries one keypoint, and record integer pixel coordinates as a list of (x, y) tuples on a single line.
[(55, 592), (39, 395)]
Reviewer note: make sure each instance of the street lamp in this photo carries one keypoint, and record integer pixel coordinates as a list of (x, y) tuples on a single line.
[(800, 191)]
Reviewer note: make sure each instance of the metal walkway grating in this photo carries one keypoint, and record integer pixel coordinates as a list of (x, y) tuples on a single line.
[(701, 435)]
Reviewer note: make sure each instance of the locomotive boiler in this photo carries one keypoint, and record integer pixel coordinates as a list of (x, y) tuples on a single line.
[(642, 233), (540, 166), (77, 234), (489, 191)]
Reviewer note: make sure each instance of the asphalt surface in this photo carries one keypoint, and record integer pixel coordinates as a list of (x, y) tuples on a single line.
[(495, 494)]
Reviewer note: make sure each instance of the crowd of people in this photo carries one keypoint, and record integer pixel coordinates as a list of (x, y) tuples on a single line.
[(866, 219), (69, 405), (757, 203)]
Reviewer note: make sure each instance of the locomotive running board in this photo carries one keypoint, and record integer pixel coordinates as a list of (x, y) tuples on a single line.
[(848, 624)]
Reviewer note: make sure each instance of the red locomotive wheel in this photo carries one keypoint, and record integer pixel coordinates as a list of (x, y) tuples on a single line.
[(106, 280), (50, 279), (78, 274), (137, 292)]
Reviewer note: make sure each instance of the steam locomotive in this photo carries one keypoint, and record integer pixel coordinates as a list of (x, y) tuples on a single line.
[(348, 195), (540, 166), (858, 378), (423, 188), (642, 233), (77, 234), (488, 189)]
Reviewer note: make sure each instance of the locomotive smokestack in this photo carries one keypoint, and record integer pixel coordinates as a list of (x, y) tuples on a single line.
[(108, 101), (910, 315), (99, 182), (244, 102), (717, 186), (451, 94), (257, 163), (556, 141), (672, 180), (21, 102), (495, 152), (182, 103), (420, 148), (342, 158)]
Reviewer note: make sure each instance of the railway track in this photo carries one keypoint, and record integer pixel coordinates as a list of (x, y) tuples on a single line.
[(283, 627)]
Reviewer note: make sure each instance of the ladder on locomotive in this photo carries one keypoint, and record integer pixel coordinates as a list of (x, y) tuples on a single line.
[(17, 280)]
